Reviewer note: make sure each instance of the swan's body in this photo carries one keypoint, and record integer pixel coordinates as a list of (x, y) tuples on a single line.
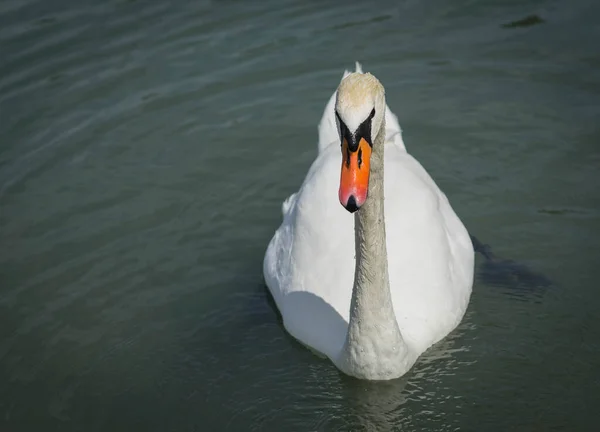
[(338, 300)]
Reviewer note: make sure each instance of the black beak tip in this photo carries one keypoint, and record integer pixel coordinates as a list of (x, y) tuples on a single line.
[(351, 204)]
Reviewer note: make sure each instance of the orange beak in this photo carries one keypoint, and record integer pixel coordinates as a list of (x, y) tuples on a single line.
[(354, 182)]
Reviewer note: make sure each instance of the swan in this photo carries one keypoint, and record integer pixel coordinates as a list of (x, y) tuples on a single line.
[(374, 282)]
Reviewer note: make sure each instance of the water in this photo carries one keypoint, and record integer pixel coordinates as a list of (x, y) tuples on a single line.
[(145, 150)]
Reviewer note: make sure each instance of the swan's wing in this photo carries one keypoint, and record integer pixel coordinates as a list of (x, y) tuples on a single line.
[(393, 132), (429, 249), (306, 263), (288, 205)]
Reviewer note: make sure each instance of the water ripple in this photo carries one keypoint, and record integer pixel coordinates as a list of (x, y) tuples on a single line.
[(145, 150)]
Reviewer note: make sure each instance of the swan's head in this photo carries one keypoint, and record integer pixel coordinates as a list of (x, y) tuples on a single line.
[(359, 109)]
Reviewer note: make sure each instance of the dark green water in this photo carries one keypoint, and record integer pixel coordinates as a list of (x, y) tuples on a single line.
[(145, 150)]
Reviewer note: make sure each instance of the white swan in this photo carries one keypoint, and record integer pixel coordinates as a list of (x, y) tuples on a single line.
[(371, 293)]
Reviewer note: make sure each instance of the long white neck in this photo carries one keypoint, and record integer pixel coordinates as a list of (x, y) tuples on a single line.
[(374, 348)]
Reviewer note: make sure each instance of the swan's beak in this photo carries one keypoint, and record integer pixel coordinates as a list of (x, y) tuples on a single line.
[(354, 182)]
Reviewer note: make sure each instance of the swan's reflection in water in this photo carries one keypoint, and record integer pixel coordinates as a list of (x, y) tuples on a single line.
[(418, 400), (421, 398)]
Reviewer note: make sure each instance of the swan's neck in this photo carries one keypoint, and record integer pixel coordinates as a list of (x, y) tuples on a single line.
[(374, 347)]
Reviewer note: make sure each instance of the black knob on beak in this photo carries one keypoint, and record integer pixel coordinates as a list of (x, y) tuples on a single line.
[(351, 204)]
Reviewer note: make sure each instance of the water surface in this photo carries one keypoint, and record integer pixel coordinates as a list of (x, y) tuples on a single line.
[(145, 150)]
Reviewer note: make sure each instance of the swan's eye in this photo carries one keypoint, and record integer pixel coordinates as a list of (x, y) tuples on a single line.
[(344, 131), (341, 124), (364, 130), (359, 157)]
